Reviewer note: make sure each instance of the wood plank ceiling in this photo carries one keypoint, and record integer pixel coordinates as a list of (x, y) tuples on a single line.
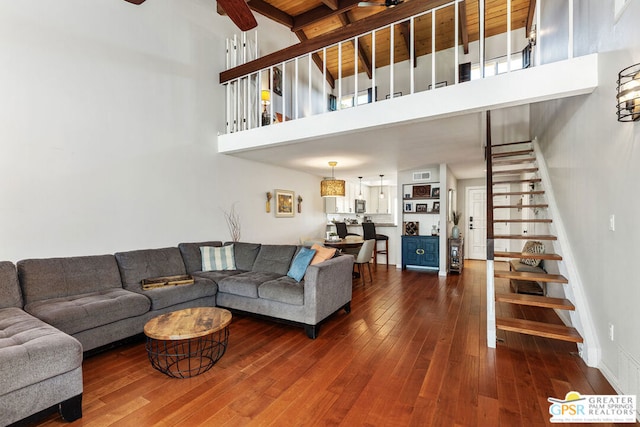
[(309, 19)]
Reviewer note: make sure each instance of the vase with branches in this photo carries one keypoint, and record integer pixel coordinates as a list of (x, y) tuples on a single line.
[(455, 230), (233, 222)]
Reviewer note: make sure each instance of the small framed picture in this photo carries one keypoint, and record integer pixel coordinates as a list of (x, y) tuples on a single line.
[(408, 207), (421, 207), (284, 203), (435, 192), (436, 207)]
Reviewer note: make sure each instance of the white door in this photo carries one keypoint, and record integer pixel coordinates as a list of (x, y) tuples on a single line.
[(476, 223)]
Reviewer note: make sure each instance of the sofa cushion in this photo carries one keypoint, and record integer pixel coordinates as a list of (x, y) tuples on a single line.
[(283, 289), (532, 247), (216, 276), (85, 311), (245, 284), (217, 259), (322, 253), (516, 265), (43, 279), (148, 263), (275, 258), (10, 294), (191, 254), (300, 263), (245, 254), (32, 351)]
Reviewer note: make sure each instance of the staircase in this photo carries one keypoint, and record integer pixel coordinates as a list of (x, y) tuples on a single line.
[(514, 165)]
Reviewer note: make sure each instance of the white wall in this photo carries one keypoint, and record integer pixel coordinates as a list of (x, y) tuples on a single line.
[(108, 127), (594, 163)]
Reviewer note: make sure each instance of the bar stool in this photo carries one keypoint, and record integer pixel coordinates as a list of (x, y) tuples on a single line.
[(369, 232)]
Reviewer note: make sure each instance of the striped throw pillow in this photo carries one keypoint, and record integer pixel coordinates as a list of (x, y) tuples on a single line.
[(217, 258)]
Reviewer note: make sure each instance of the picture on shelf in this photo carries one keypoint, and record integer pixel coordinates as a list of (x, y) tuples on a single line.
[(435, 192), (408, 207), (421, 191), (436, 207), (421, 207)]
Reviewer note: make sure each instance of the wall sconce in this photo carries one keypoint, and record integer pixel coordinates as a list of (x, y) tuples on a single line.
[(629, 94), (265, 98), (533, 35), (332, 187)]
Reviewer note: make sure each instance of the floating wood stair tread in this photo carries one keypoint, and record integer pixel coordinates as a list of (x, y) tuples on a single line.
[(545, 220), (547, 330), (540, 205), (515, 171), (518, 181), (525, 236), (533, 277), (511, 153), (518, 193), (536, 301), (505, 144), (552, 257), (508, 161)]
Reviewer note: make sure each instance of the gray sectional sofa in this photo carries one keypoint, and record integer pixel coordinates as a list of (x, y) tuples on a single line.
[(52, 310)]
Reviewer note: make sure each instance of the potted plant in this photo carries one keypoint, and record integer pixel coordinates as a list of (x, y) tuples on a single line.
[(455, 231)]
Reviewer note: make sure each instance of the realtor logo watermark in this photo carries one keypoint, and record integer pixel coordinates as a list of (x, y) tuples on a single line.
[(576, 408)]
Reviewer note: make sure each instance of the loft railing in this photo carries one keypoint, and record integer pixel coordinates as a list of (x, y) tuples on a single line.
[(356, 67)]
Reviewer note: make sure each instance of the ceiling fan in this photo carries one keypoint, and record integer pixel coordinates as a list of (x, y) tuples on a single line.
[(237, 10), (386, 3)]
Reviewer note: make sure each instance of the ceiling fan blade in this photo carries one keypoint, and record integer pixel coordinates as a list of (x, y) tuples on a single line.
[(239, 12), (135, 1)]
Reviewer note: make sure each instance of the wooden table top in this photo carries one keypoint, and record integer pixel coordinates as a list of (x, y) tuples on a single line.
[(187, 323), (344, 243)]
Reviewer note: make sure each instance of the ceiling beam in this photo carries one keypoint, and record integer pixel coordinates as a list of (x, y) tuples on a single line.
[(265, 9), (322, 12), (366, 63), (398, 13), (464, 28), (332, 4), (318, 61)]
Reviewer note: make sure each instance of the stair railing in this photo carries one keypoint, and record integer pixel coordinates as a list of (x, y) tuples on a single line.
[(491, 304)]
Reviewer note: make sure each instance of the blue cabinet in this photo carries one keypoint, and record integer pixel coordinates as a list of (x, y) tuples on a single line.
[(421, 251)]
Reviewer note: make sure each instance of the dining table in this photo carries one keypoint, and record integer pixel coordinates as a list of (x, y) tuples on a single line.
[(343, 244)]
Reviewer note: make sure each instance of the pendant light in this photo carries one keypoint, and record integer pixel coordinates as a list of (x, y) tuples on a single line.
[(332, 187), (360, 197), (381, 192)]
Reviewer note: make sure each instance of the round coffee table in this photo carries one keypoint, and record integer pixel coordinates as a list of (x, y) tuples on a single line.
[(188, 342)]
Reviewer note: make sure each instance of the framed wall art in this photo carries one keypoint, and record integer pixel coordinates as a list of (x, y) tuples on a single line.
[(284, 203), (436, 207), (421, 191)]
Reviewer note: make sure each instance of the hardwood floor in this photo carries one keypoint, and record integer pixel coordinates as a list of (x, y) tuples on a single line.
[(412, 352)]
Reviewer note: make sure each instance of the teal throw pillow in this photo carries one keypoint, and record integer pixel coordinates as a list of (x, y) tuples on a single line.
[(300, 263), (217, 258)]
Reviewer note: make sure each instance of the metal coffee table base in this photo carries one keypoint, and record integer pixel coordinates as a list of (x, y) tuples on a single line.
[(187, 358)]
